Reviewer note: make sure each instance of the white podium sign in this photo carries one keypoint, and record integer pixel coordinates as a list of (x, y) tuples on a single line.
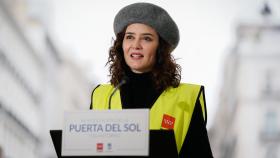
[(106, 132)]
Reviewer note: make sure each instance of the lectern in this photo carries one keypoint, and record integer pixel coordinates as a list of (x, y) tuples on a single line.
[(162, 144)]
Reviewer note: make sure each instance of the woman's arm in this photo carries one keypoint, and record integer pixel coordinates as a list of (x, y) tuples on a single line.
[(196, 143)]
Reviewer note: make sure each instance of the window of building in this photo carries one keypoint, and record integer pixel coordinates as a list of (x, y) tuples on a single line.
[(271, 86), (270, 127)]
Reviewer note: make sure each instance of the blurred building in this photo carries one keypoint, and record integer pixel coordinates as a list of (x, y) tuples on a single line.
[(37, 81), (248, 118)]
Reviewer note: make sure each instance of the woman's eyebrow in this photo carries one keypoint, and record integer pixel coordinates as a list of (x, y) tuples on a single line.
[(149, 34), (129, 33)]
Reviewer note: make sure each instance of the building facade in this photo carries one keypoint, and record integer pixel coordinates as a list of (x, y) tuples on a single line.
[(248, 117), (38, 82)]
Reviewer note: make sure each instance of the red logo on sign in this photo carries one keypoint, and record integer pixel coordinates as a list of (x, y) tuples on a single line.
[(99, 147), (168, 122)]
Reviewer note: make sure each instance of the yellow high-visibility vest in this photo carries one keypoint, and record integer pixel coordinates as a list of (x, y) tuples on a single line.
[(175, 103)]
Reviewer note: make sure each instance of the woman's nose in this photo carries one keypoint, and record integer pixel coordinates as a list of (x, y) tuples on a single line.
[(136, 44)]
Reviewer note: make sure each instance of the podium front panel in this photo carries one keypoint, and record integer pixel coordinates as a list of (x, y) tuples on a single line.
[(162, 144)]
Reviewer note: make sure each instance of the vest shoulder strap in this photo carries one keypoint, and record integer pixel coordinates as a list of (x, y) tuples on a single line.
[(194, 93)]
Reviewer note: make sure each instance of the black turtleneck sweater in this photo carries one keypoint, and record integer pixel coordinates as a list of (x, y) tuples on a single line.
[(139, 91)]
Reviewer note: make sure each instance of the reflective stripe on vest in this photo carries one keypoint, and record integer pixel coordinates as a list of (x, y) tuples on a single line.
[(175, 103)]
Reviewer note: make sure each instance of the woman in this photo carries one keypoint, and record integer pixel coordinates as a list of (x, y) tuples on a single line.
[(145, 75)]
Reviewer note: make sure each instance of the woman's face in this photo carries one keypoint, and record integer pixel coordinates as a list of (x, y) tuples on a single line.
[(139, 46)]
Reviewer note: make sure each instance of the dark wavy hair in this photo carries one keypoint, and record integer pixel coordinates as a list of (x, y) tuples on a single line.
[(165, 72)]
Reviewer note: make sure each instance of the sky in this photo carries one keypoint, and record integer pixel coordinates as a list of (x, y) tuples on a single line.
[(84, 31)]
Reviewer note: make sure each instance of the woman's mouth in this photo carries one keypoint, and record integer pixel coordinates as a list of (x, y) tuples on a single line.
[(136, 55)]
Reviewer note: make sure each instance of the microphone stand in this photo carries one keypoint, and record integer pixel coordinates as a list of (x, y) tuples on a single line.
[(123, 81)]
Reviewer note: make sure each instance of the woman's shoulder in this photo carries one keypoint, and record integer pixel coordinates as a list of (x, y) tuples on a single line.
[(106, 85), (189, 86), (185, 88), (103, 87)]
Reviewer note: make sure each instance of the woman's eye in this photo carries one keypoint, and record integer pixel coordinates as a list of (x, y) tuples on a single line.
[(148, 38), (129, 37)]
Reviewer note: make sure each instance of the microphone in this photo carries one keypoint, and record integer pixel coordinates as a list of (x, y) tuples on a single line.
[(124, 80)]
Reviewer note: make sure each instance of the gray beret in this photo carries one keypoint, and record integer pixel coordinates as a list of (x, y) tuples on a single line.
[(149, 14)]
